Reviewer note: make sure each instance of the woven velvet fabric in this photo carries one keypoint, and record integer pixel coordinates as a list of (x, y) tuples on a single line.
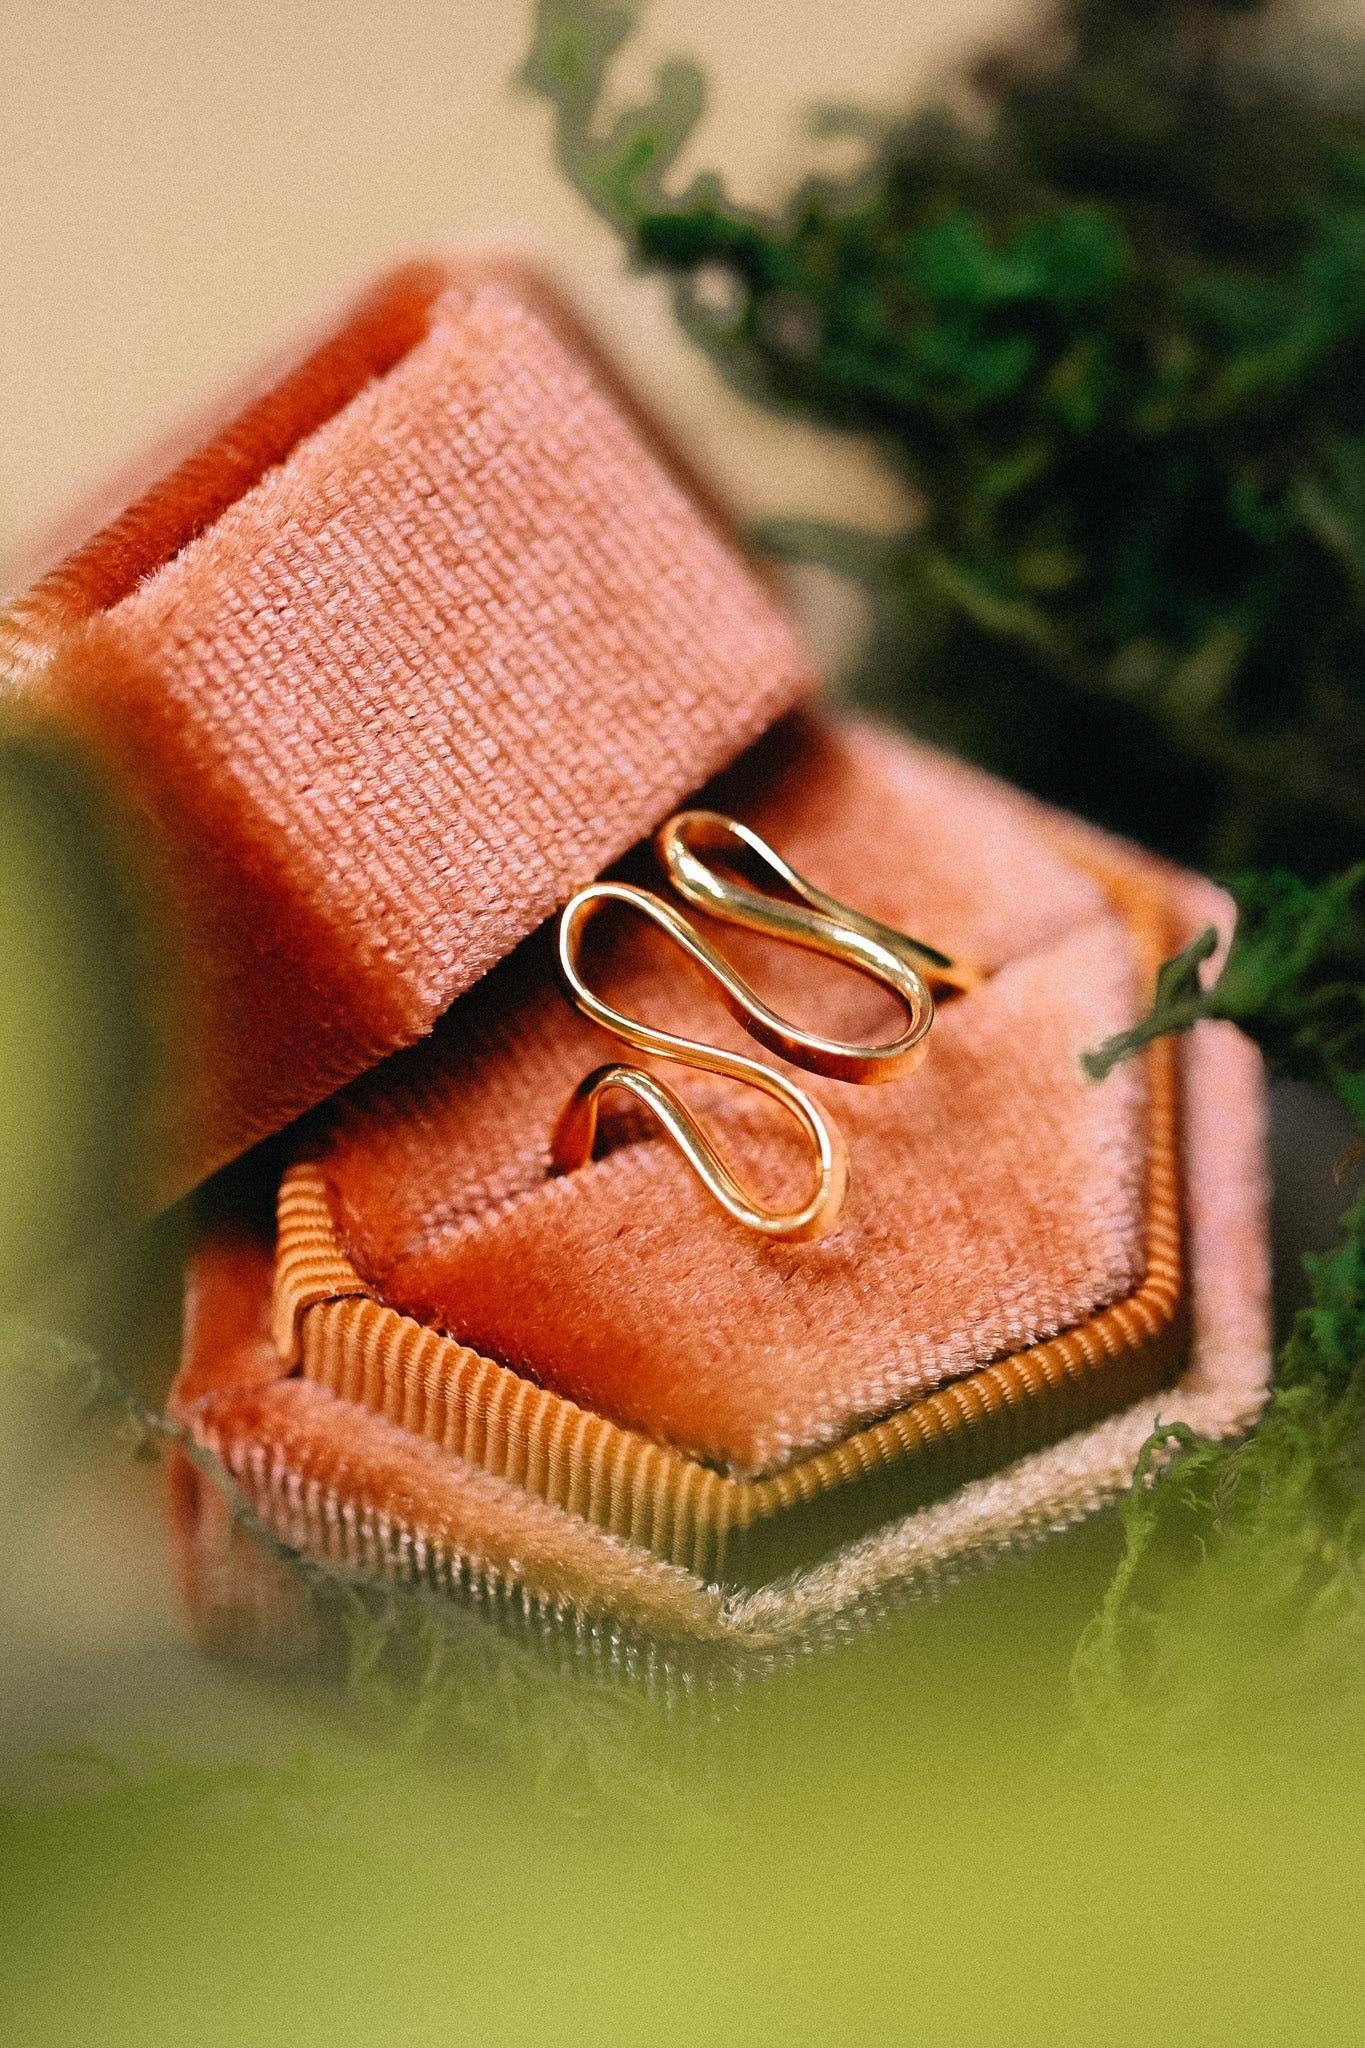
[(335, 1479), (998, 1198), (360, 1475), (430, 634)]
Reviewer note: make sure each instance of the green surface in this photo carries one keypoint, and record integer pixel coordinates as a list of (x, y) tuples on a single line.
[(903, 1841)]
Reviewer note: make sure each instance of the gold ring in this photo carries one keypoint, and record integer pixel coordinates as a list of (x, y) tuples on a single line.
[(814, 920), (572, 1143), (819, 922)]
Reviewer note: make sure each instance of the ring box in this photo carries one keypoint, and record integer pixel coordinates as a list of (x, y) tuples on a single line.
[(436, 630)]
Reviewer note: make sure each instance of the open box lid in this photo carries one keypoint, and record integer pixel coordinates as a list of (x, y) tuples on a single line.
[(426, 636)]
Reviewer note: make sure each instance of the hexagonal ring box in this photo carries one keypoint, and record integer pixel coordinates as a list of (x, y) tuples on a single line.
[(433, 630)]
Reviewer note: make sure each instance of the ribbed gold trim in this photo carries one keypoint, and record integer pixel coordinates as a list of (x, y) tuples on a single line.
[(311, 1267), (328, 1321)]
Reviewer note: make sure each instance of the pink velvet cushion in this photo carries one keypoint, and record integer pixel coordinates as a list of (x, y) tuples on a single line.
[(998, 1197)]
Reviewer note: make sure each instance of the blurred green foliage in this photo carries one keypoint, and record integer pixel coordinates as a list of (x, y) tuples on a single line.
[(1294, 979), (1117, 342), (76, 1046), (1275, 1613), (1238, 1609)]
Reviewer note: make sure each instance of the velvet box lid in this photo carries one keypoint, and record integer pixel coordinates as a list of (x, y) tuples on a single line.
[(415, 643), (431, 632)]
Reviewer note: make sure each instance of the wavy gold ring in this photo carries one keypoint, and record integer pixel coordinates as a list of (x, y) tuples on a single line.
[(815, 921), (572, 1143)]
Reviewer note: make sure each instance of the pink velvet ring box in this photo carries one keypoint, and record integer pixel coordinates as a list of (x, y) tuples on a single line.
[(433, 631)]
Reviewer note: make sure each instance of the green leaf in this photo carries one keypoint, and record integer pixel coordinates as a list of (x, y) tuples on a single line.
[(1180, 1002), (620, 172), (1294, 980), (1148, 266)]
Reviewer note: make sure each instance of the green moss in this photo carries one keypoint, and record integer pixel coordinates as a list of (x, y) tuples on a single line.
[(1118, 343), (1294, 979), (1242, 1587), (1239, 1606)]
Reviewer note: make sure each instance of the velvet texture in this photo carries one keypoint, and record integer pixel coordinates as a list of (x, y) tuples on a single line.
[(433, 631), (428, 635), (998, 1198), (352, 1487)]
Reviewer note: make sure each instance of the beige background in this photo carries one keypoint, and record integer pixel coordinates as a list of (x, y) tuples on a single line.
[(184, 180)]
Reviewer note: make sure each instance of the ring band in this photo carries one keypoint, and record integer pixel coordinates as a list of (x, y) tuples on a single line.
[(816, 920), (572, 1143), (821, 924)]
